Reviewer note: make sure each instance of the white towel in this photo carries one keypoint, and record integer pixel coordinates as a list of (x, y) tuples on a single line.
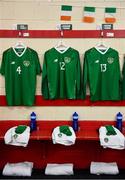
[(17, 139), (104, 168), (18, 169), (113, 141), (59, 169), (61, 138)]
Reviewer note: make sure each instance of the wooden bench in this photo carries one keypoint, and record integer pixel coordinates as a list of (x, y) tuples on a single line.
[(41, 150)]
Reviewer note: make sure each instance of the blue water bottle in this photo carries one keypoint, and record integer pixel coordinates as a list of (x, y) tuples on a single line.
[(33, 125), (75, 124), (119, 118)]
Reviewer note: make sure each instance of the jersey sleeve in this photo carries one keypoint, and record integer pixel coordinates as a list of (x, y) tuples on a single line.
[(45, 89), (85, 75), (38, 66), (2, 68), (78, 77)]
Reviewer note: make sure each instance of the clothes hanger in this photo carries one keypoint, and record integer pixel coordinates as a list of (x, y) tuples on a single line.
[(101, 45), (61, 45), (19, 45)]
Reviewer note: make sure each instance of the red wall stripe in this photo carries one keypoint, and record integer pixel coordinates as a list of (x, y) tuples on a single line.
[(65, 102), (4, 33)]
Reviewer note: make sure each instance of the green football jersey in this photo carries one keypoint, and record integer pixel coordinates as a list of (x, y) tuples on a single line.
[(123, 80), (101, 70), (20, 67), (61, 74)]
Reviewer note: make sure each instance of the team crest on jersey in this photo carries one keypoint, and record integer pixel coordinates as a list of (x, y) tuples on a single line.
[(110, 60), (26, 63), (67, 59)]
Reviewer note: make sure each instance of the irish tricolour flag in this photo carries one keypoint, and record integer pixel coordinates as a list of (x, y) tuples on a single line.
[(110, 15), (89, 14), (66, 13)]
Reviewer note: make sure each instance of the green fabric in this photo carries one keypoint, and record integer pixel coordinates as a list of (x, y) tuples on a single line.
[(66, 8), (110, 10), (61, 74), (102, 72), (89, 9), (20, 75), (110, 130), (20, 129), (65, 130), (123, 81)]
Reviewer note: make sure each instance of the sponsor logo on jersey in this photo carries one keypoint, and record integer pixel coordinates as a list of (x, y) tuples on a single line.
[(110, 60), (67, 59), (55, 60), (13, 62), (26, 63), (97, 61)]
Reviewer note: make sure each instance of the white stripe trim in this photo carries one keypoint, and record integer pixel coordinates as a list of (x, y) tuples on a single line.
[(19, 55), (60, 50), (101, 51)]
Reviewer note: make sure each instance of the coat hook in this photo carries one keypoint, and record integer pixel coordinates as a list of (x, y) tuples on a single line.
[(102, 34), (61, 33)]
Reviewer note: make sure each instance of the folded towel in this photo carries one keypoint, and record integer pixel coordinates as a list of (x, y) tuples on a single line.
[(61, 138), (65, 130), (114, 142), (59, 169), (18, 169), (104, 168), (110, 130), (13, 138)]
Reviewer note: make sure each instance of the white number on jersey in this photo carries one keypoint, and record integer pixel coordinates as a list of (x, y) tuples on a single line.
[(18, 70), (103, 67), (62, 66)]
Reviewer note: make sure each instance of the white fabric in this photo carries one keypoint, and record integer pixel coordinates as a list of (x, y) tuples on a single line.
[(18, 169), (113, 141), (104, 168), (61, 138), (59, 169), (17, 139)]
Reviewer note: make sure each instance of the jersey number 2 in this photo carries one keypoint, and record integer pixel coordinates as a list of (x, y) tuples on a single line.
[(62, 66)]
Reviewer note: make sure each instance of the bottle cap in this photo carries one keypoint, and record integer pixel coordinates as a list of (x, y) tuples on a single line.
[(33, 115), (119, 116), (75, 115)]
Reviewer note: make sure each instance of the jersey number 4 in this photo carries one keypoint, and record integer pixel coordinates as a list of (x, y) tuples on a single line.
[(18, 70)]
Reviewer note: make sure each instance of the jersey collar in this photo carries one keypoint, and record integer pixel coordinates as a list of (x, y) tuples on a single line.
[(63, 50), (101, 51), (19, 55)]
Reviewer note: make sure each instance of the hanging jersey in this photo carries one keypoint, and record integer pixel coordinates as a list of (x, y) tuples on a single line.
[(102, 72), (20, 67), (123, 81), (61, 74)]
